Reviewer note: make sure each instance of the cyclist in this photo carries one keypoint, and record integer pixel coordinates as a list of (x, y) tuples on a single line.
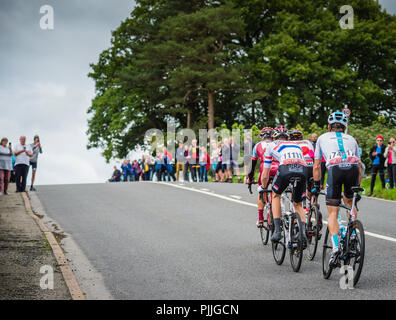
[(342, 157), (309, 154), (291, 164), (258, 154)]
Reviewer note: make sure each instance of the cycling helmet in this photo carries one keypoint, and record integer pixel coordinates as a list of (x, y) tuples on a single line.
[(280, 131), (295, 135), (266, 132), (338, 117)]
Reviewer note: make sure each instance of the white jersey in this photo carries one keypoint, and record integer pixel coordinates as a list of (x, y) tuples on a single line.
[(308, 151), (285, 152), (337, 149)]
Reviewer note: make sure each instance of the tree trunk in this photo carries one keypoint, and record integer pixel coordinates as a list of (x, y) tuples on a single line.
[(210, 110), (188, 119)]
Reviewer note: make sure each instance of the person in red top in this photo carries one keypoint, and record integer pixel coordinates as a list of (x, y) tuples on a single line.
[(258, 154)]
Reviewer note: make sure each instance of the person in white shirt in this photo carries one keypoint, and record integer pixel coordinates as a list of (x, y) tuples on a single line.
[(5, 165), (22, 153)]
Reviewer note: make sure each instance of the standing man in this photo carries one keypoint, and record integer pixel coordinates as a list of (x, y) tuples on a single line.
[(377, 156), (22, 153), (36, 147), (314, 139)]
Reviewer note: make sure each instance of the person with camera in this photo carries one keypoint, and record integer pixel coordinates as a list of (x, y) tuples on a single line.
[(390, 161), (5, 165), (36, 147), (377, 156), (22, 153)]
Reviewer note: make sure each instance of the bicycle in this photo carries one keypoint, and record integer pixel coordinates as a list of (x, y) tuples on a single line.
[(314, 225), (351, 245), (292, 237), (265, 229)]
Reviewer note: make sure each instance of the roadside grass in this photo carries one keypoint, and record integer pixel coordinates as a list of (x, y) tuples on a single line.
[(389, 194)]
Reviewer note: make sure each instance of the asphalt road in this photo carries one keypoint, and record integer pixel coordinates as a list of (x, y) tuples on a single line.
[(166, 241)]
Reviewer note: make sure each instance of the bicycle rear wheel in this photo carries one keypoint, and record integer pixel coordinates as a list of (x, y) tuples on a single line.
[(356, 248), (278, 248), (327, 248), (296, 243), (265, 230), (312, 232)]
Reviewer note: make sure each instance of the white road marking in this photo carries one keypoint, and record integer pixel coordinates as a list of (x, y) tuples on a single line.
[(235, 197), (374, 235)]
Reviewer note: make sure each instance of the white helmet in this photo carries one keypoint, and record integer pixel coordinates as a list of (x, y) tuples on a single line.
[(338, 117)]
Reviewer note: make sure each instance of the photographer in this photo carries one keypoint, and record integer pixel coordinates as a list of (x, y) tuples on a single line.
[(36, 147), (22, 153), (390, 161)]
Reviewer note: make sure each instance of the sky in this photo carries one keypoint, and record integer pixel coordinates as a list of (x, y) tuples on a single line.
[(44, 88)]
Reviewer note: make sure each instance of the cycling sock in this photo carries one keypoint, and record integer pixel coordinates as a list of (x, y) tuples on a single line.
[(334, 240), (277, 222), (261, 215)]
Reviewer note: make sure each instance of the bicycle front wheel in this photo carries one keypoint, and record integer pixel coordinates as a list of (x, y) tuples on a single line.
[(312, 232), (296, 243), (356, 248), (327, 248)]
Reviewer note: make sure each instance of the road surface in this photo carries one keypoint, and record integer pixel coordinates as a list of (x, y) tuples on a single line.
[(200, 241)]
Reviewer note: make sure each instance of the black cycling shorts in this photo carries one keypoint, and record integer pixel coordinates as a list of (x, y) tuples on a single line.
[(34, 165), (338, 177), (282, 180), (310, 178)]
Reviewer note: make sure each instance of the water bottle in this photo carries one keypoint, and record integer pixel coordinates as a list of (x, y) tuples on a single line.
[(342, 227)]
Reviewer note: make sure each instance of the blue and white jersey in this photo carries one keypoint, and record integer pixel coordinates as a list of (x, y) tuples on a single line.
[(337, 148)]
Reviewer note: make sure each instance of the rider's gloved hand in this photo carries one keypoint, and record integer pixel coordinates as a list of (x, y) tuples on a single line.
[(260, 189), (316, 188), (249, 183)]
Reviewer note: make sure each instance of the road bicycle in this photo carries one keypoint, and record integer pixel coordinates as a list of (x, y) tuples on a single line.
[(290, 228), (351, 244), (314, 225)]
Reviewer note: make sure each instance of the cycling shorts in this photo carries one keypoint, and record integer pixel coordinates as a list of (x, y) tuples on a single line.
[(338, 177), (282, 180)]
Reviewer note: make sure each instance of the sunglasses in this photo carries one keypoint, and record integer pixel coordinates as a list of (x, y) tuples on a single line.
[(380, 140)]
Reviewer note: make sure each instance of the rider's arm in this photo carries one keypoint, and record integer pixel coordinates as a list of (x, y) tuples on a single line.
[(317, 170), (265, 176), (252, 169)]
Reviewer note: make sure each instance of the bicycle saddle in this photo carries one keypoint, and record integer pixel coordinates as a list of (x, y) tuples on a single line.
[(357, 189)]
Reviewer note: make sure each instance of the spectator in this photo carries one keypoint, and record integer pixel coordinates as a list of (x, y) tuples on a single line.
[(136, 170), (131, 171), (248, 147), (187, 165), (5, 165), (12, 179), (214, 158), (22, 153), (390, 161), (116, 177), (194, 152), (180, 160), (203, 162), (36, 147), (225, 156), (145, 168), (360, 155), (152, 168), (314, 139), (219, 172), (124, 168), (232, 160), (167, 159), (158, 166), (377, 155)]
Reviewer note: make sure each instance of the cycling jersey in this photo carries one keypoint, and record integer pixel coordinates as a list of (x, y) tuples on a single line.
[(308, 151), (337, 149), (258, 153), (285, 152)]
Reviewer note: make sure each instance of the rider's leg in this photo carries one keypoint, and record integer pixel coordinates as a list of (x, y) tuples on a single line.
[(276, 211), (300, 210), (334, 228), (260, 207)]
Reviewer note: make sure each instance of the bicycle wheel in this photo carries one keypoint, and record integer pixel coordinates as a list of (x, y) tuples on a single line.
[(265, 230), (278, 248), (327, 248), (296, 243), (356, 248), (312, 232)]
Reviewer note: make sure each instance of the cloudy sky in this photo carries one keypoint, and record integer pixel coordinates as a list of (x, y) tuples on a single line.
[(44, 88)]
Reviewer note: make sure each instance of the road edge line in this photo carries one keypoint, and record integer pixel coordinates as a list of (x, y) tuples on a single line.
[(71, 282)]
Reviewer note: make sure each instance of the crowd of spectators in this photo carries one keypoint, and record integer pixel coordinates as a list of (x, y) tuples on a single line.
[(16, 161), (188, 163)]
